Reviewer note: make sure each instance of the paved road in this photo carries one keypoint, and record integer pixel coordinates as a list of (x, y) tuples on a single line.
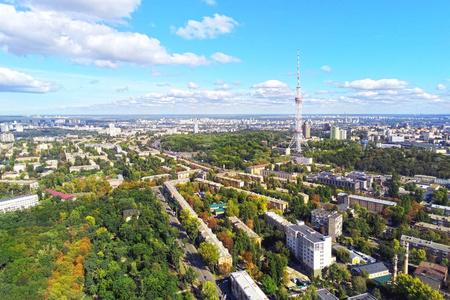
[(192, 257)]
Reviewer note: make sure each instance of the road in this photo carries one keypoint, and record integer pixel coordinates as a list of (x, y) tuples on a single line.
[(192, 258)]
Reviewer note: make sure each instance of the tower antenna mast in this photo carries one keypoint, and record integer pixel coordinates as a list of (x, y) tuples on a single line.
[(298, 139)]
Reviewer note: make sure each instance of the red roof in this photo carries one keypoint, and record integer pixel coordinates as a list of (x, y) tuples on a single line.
[(62, 195), (259, 166)]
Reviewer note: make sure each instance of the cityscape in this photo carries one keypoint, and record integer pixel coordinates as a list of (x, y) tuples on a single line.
[(212, 149)]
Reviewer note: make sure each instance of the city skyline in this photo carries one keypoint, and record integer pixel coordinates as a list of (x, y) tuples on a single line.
[(223, 57)]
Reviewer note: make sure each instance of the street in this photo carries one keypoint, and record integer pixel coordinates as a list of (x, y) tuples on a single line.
[(192, 258)]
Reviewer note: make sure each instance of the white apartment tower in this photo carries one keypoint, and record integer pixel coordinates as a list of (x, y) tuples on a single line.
[(312, 248)]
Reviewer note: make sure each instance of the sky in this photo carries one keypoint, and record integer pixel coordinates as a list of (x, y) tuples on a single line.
[(199, 57)]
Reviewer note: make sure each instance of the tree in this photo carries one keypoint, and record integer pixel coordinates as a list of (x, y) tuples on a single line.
[(343, 255), (418, 256), (268, 285), (209, 291), (376, 293), (191, 275), (359, 285), (210, 253), (310, 293), (410, 288)]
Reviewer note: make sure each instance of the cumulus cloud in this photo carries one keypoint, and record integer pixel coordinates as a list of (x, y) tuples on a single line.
[(370, 84), (95, 10), (208, 28), (50, 33), (223, 87), (325, 92), (14, 81), (441, 87), (210, 2), (224, 59), (326, 68), (270, 84), (192, 86)]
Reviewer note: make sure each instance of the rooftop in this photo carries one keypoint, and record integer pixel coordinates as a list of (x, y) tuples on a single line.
[(326, 213), (309, 233), (371, 268), (431, 270), (248, 286), (56, 193), (17, 197), (425, 243), (380, 201), (325, 294), (365, 296)]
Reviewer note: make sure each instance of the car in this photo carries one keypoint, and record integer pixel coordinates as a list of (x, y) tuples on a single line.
[(206, 278)]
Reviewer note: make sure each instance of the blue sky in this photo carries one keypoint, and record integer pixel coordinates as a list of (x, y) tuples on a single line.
[(223, 56)]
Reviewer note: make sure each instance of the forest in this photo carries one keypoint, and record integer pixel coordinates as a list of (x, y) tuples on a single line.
[(232, 150), (85, 249)]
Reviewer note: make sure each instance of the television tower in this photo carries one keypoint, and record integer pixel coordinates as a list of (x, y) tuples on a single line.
[(298, 139)]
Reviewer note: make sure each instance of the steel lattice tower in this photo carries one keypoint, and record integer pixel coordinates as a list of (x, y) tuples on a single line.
[(298, 139)]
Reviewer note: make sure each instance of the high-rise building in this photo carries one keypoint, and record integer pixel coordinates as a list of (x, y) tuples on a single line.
[(334, 133), (306, 130), (312, 248), (338, 134), (4, 127), (196, 127), (112, 130), (6, 137), (331, 221)]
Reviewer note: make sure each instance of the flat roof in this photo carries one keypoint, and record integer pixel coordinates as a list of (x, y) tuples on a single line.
[(380, 201), (365, 296), (325, 294), (372, 268), (309, 233), (425, 243), (248, 286), (326, 213), (17, 197)]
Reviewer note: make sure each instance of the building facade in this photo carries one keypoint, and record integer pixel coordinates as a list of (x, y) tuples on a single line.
[(312, 248), (330, 220), (371, 204), (244, 287), (19, 202)]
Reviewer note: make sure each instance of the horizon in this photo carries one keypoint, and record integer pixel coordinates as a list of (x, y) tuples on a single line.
[(203, 57)]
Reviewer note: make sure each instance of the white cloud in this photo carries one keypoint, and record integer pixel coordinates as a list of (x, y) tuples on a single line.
[(95, 10), (192, 85), (441, 87), (309, 72), (224, 59), (223, 87), (210, 2), (270, 84), (237, 83), (14, 81), (326, 68), (209, 28), (219, 82), (370, 84), (163, 84), (324, 92), (54, 34)]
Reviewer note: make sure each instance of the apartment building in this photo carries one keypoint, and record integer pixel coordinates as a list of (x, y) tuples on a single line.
[(244, 287), (277, 221), (239, 225), (19, 202), (331, 221), (371, 204), (440, 251), (312, 248)]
